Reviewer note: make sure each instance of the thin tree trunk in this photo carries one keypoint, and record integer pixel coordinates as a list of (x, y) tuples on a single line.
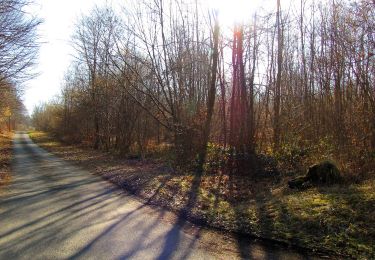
[(211, 96), (278, 81)]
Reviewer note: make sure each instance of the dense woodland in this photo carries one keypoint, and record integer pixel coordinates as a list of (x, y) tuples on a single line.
[(296, 82), (18, 53)]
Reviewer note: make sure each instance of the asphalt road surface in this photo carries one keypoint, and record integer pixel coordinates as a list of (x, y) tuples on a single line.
[(55, 210)]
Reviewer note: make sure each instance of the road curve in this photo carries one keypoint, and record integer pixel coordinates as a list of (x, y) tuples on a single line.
[(55, 210)]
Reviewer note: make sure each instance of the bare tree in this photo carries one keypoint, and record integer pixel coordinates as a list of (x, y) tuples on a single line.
[(18, 41), (160, 77)]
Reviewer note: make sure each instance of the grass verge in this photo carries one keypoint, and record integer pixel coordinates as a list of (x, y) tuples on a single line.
[(5, 158), (337, 220)]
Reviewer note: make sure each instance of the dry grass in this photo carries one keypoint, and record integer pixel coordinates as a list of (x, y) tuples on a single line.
[(5, 157), (335, 220)]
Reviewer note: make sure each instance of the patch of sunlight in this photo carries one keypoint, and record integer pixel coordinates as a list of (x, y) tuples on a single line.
[(252, 215), (367, 189), (184, 185), (320, 202)]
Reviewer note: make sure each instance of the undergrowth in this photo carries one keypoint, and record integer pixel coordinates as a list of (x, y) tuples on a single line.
[(5, 157), (336, 219)]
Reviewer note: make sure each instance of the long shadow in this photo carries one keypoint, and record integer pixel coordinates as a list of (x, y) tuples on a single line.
[(141, 241), (87, 247), (50, 191), (244, 248), (357, 211), (113, 226), (99, 199), (173, 237), (66, 219), (217, 191), (258, 243), (72, 209), (318, 229), (107, 192)]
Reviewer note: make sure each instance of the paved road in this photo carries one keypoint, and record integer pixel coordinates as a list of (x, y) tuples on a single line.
[(55, 210)]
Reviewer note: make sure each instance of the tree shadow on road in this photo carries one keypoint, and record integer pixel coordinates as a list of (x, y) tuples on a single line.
[(172, 239)]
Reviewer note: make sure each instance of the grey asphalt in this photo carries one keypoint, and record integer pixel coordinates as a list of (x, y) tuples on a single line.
[(55, 210)]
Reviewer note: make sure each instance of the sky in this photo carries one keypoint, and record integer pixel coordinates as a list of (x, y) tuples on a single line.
[(55, 51), (55, 34)]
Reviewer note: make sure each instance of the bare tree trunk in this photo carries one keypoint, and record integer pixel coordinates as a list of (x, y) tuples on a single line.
[(211, 95), (251, 109), (223, 99), (278, 79)]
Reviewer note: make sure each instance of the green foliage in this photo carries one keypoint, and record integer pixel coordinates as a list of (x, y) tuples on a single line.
[(217, 157), (291, 153)]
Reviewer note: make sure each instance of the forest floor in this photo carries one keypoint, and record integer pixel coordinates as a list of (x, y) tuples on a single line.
[(5, 157), (337, 220)]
